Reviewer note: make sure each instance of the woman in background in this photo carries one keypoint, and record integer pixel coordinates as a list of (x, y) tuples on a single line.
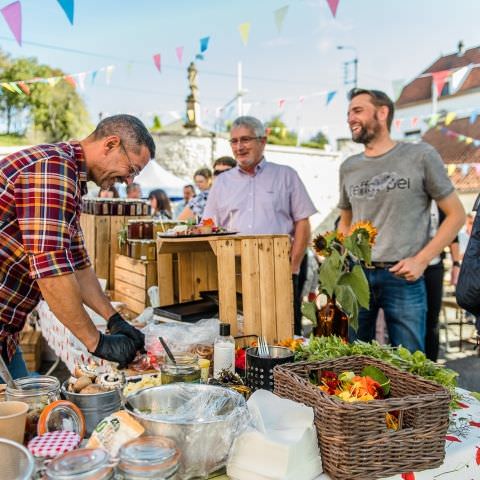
[(112, 192), (196, 206), (160, 204)]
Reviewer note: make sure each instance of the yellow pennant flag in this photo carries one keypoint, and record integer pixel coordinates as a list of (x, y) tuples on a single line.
[(52, 81), (468, 140), (8, 87), (450, 117), (450, 169), (244, 29)]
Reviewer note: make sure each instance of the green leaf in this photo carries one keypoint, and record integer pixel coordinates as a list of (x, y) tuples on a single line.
[(376, 374), (362, 250), (357, 280), (309, 310), (475, 395), (330, 270)]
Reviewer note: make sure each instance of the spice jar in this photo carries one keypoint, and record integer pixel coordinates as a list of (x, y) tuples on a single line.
[(37, 392), (134, 249), (147, 250), (135, 229), (82, 464), (186, 369), (148, 457)]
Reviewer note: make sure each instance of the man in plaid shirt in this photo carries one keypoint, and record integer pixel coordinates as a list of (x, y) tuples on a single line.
[(42, 251)]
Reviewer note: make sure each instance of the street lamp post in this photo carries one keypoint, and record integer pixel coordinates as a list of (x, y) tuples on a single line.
[(347, 81)]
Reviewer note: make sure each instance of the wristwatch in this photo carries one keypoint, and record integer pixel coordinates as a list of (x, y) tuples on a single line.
[(456, 263)]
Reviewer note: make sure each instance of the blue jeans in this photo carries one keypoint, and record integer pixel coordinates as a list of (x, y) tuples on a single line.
[(405, 307), (17, 367)]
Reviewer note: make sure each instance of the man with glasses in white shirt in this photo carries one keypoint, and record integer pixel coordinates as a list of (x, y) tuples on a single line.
[(259, 197)]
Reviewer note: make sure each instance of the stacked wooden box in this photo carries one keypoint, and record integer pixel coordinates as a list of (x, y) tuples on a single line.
[(31, 345)]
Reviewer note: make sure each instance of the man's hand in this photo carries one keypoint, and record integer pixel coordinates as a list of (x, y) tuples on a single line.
[(116, 324), (454, 275), (410, 269), (116, 348)]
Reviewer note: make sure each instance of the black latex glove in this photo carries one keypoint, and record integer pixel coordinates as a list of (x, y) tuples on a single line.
[(116, 348), (116, 324)]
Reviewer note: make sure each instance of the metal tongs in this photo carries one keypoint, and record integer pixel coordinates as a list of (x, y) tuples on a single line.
[(5, 374), (262, 348)]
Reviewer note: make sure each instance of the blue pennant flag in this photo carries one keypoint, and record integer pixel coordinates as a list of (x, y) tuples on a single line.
[(204, 44), (330, 96), (473, 116), (199, 56), (67, 6), (94, 76)]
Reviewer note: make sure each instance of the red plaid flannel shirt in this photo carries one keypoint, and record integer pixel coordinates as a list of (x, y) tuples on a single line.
[(41, 190)]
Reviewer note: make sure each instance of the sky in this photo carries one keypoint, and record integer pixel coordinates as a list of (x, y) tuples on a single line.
[(392, 40)]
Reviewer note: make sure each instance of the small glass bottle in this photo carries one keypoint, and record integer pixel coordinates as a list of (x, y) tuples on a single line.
[(185, 369), (224, 351), (204, 364)]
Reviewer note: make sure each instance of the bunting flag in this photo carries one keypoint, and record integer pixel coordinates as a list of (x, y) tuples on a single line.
[(477, 168), (465, 168), (458, 77), (414, 121), (94, 76), (398, 123), (451, 169), (204, 44), (439, 79), (333, 5), (67, 6), (473, 117), (156, 61), (450, 117), (53, 81), (81, 80), (108, 73), (280, 15), (301, 99), (433, 119), (8, 87), (199, 56), (468, 140), (244, 29), (179, 52), (24, 88), (70, 80), (330, 96), (281, 103), (12, 14)]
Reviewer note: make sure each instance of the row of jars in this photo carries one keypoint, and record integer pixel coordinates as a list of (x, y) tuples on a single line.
[(115, 206), (147, 229), (141, 249)]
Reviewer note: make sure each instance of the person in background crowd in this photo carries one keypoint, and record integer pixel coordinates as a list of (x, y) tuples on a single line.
[(42, 251), (259, 197), (195, 207), (392, 185), (223, 164), (188, 194), (112, 192), (160, 204), (134, 191)]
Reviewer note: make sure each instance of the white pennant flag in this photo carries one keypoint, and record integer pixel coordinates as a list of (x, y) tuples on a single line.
[(108, 73), (81, 80), (458, 77)]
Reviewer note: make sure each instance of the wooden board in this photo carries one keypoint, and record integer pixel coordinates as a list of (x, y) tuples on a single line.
[(165, 278), (251, 287), (283, 284), (186, 285), (102, 246), (267, 289), (226, 279), (116, 225)]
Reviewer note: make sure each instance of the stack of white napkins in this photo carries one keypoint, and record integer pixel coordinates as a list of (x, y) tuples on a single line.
[(284, 445)]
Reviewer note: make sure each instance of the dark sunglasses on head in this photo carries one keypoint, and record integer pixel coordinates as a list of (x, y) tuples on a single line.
[(218, 172)]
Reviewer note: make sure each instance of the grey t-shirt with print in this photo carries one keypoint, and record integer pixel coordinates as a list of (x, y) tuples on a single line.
[(394, 191)]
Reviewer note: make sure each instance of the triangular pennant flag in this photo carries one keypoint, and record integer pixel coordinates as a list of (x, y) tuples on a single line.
[(301, 98), (81, 80), (476, 143), (16, 89), (156, 61), (465, 169), (129, 68), (330, 96), (204, 44), (461, 138), (108, 73), (414, 121), (433, 119), (468, 140), (179, 52), (458, 77), (477, 168), (451, 169), (8, 87), (398, 123), (12, 14), (333, 4), (24, 87), (70, 80), (244, 29), (280, 15), (281, 103), (450, 117), (473, 116), (199, 56), (94, 76), (439, 79), (52, 81), (67, 6)]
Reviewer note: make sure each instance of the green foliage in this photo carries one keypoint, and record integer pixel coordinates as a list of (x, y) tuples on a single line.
[(12, 140), (157, 124), (279, 134), (319, 140), (309, 310)]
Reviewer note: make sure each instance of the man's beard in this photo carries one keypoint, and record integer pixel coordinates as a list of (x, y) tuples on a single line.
[(368, 133)]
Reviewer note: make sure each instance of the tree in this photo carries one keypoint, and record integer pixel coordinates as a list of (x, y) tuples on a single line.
[(278, 133), (319, 140), (157, 124)]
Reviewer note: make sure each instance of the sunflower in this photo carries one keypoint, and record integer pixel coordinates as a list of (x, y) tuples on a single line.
[(320, 245), (366, 229)]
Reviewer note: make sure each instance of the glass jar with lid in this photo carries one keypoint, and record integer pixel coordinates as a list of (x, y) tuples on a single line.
[(134, 249), (186, 369), (135, 229), (82, 464), (148, 457), (147, 233), (37, 392), (147, 250)]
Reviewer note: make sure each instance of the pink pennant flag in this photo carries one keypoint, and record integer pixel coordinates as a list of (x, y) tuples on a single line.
[(12, 14), (281, 103), (179, 51), (24, 87), (477, 169), (398, 123), (156, 60), (70, 80), (439, 79), (301, 99), (333, 4), (414, 121)]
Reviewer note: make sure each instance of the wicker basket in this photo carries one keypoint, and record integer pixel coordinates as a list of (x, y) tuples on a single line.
[(353, 438)]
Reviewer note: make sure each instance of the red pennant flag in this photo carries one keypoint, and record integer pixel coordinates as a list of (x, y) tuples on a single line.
[(414, 121), (12, 14), (24, 88), (398, 123), (156, 60), (439, 79), (70, 80), (179, 51), (333, 4), (281, 103)]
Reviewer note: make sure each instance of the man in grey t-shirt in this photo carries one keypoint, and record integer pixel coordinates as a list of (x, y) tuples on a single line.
[(392, 185)]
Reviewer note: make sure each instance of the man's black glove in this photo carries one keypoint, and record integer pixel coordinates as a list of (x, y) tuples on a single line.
[(116, 324), (116, 348)]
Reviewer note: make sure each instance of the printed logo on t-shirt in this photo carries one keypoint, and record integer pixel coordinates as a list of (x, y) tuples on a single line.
[(384, 182)]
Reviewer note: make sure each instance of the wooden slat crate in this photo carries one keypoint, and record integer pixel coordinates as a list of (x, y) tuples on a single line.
[(31, 344), (257, 266), (132, 280)]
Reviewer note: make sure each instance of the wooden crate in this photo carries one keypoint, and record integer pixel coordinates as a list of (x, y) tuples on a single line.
[(31, 345), (132, 280), (257, 266), (101, 242)]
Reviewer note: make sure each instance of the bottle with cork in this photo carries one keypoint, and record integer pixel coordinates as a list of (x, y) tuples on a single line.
[(224, 351)]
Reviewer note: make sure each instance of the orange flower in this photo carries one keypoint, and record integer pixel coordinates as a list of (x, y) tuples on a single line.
[(208, 222)]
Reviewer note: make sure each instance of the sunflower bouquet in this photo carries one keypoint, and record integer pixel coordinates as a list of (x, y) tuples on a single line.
[(341, 276)]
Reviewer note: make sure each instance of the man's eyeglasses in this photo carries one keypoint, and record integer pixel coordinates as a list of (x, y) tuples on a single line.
[(242, 140), (133, 171)]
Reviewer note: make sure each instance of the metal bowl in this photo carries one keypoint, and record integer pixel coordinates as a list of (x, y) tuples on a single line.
[(17, 462), (202, 419)]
